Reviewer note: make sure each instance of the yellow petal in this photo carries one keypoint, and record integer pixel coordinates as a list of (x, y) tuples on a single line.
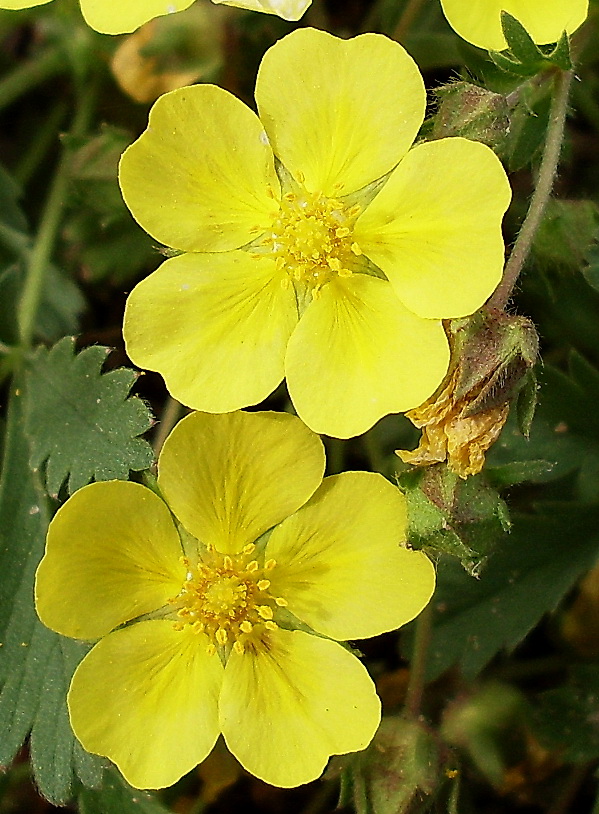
[(283, 712), (13, 5), (215, 326), (479, 21), (356, 107), (198, 178), (341, 562), (358, 354), (119, 18), (112, 554), (435, 227), (229, 478), (287, 9), (146, 697)]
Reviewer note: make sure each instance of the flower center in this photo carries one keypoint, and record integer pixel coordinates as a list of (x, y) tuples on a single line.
[(227, 597), (312, 238)]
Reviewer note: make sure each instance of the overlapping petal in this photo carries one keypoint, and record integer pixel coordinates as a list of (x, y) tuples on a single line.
[(119, 18), (201, 177), (215, 325), (287, 9), (229, 478), (358, 354), (479, 21), (435, 227), (112, 554), (13, 5), (342, 565), (351, 117), (283, 712), (146, 696)]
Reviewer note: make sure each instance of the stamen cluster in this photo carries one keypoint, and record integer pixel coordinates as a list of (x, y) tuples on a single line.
[(227, 598), (311, 238)]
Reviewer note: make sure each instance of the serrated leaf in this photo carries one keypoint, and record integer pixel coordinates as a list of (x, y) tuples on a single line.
[(526, 578), (567, 718), (117, 797), (37, 664), (511, 66), (82, 423)]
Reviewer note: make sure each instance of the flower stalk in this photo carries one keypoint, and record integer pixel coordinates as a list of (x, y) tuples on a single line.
[(542, 193)]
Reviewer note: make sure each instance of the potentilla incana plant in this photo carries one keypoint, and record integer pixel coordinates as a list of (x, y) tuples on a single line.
[(116, 17), (220, 604), (479, 21), (318, 244)]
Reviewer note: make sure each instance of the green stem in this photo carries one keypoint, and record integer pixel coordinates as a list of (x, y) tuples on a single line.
[(43, 244), (31, 73), (170, 415), (43, 140), (416, 682), (542, 193)]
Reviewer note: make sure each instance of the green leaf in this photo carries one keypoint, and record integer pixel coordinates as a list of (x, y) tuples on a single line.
[(525, 579), (560, 55), (567, 718), (117, 797), (566, 234), (37, 664), (81, 422), (519, 41), (564, 432)]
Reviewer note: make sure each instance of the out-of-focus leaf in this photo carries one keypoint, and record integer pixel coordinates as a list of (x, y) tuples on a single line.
[(530, 573), (82, 422), (566, 234), (116, 796), (564, 432), (567, 718), (36, 664)]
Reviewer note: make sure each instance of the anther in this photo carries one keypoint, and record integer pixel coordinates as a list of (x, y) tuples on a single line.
[(252, 566), (222, 636), (238, 647), (282, 603), (356, 249), (269, 565), (227, 562), (264, 611), (271, 625), (246, 626), (263, 584), (210, 649)]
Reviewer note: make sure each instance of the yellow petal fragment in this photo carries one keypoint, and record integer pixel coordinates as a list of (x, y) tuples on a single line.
[(435, 227), (358, 354), (229, 478), (198, 178), (357, 106), (13, 5), (341, 561), (479, 21), (216, 326), (146, 697), (119, 18), (287, 9), (112, 553), (285, 710)]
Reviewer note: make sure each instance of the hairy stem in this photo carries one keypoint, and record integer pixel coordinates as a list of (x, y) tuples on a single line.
[(541, 194)]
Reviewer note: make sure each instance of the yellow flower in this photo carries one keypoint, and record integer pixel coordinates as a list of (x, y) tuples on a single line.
[(287, 9), (318, 245), (479, 21), (220, 610), (118, 17)]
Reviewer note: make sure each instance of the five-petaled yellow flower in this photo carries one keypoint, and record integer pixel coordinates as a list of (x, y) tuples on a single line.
[(479, 21), (318, 245), (118, 17), (220, 610)]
